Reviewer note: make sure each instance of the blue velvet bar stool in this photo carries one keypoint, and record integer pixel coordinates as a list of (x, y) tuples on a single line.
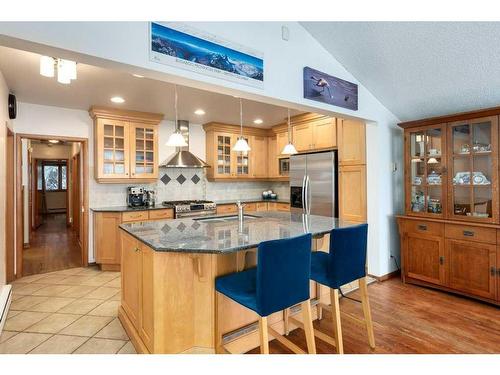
[(280, 280), (345, 263)]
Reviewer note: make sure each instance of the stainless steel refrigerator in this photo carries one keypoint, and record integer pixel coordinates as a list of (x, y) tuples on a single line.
[(313, 184)]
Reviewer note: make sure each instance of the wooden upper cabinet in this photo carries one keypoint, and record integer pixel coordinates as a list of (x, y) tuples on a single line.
[(259, 152), (325, 133), (281, 142), (473, 170), (126, 145), (272, 155), (426, 166), (303, 137), (112, 149), (143, 151), (351, 142)]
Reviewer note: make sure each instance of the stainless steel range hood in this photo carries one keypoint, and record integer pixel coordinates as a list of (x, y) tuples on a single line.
[(183, 158)]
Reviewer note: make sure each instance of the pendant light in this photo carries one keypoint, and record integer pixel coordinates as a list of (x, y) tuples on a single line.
[(241, 144), (176, 139), (289, 149)]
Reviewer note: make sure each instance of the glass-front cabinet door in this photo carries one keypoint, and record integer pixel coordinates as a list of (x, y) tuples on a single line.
[(473, 169), (426, 177), (242, 160), (224, 156), (143, 150), (112, 147)]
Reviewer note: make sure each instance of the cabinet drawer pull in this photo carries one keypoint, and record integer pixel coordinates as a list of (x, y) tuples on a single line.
[(441, 260), (136, 249), (468, 233), (422, 227), (493, 271)]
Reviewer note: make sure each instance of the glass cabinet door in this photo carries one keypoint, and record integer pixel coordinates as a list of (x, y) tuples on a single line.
[(112, 139), (474, 169), (224, 156), (242, 162), (427, 170), (144, 155)]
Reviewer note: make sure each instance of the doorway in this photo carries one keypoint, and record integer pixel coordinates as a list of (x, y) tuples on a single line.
[(51, 204)]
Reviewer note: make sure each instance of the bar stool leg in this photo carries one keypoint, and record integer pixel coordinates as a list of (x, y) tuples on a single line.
[(337, 327), (367, 311), (286, 315), (264, 337), (308, 326)]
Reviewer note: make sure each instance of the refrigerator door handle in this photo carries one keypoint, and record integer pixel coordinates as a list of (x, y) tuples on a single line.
[(307, 194), (304, 194)]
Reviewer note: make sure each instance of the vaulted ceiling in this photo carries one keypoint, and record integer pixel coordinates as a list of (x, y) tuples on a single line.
[(419, 69)]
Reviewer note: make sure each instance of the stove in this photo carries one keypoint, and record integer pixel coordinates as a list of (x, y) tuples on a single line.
[(192, 208)]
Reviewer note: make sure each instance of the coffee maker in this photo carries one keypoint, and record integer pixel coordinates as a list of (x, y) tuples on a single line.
[(135, 197)]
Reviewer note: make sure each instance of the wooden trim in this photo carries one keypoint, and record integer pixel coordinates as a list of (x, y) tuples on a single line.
[(235, 129), (448, 221), (390, 275), (126, 115), (19, 199), (9, 207), (486, 112)]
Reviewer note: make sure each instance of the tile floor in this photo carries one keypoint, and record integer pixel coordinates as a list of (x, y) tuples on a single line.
[(63, 312)]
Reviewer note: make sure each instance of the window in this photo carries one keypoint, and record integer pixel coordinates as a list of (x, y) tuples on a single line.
[(52, 175)]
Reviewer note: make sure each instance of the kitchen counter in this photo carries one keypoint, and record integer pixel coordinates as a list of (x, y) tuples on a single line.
[(218, 235), (169, 269), (130, 209), (251, 200)]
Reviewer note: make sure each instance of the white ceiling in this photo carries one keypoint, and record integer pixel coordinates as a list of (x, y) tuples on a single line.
[(95, 86), (419, 69)]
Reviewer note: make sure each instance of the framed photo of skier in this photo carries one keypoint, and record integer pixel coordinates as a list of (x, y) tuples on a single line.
[(324, 88)]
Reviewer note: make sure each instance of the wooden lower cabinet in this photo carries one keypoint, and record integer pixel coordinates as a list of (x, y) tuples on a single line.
[(456, 257), (146, 312), (472, 267), (424, 258), (131, 269), (107, 243), (231, 208)]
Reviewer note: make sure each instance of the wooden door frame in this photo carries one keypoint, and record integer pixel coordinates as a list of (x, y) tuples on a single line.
[(10, 207), (76, 193), (19, 203)]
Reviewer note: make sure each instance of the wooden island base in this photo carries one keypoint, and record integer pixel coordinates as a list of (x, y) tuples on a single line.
[(168, 300)]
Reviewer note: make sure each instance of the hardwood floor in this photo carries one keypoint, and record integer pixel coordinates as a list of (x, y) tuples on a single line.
[(410, 319), (53, 247)]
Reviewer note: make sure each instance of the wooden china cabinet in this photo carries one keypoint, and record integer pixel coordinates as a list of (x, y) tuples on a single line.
[(450, 232)]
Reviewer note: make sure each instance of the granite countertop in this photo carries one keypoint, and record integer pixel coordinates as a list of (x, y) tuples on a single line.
[(218, 236), (250, 200), (128, 209)]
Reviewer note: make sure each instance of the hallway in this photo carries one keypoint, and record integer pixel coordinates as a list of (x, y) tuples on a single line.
[(53, 246)]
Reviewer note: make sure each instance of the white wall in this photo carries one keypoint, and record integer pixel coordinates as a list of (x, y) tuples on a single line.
[(124, 45), (4, 118)]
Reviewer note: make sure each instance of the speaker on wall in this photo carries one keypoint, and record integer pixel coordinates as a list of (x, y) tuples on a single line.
[(12, 106)]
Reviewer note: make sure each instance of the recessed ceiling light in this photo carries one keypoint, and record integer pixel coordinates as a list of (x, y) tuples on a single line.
[(258, 121), (53, 140), (137, 75), (199, 112), (117, 99)]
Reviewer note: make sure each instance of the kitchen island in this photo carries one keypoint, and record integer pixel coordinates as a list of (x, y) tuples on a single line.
[(168, 270)]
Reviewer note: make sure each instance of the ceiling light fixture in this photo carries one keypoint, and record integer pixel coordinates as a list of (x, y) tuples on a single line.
[(137, 75), (117, 99), (289, 148), (54, 141), (258, 121), (176, 139), (199, 112), (66, 69), (241, 144)]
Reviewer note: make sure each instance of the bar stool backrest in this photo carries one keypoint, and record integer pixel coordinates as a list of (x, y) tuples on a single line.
[(347, 257), (283, 271)]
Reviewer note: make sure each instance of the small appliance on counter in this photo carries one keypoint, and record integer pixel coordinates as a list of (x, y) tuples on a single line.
[(150, 198), (136, 197), (269, 195)]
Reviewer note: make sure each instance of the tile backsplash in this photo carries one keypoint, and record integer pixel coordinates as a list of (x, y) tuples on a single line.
[(184, 183)]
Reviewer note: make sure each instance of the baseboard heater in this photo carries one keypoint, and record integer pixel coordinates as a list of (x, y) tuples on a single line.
[(5, 300)]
